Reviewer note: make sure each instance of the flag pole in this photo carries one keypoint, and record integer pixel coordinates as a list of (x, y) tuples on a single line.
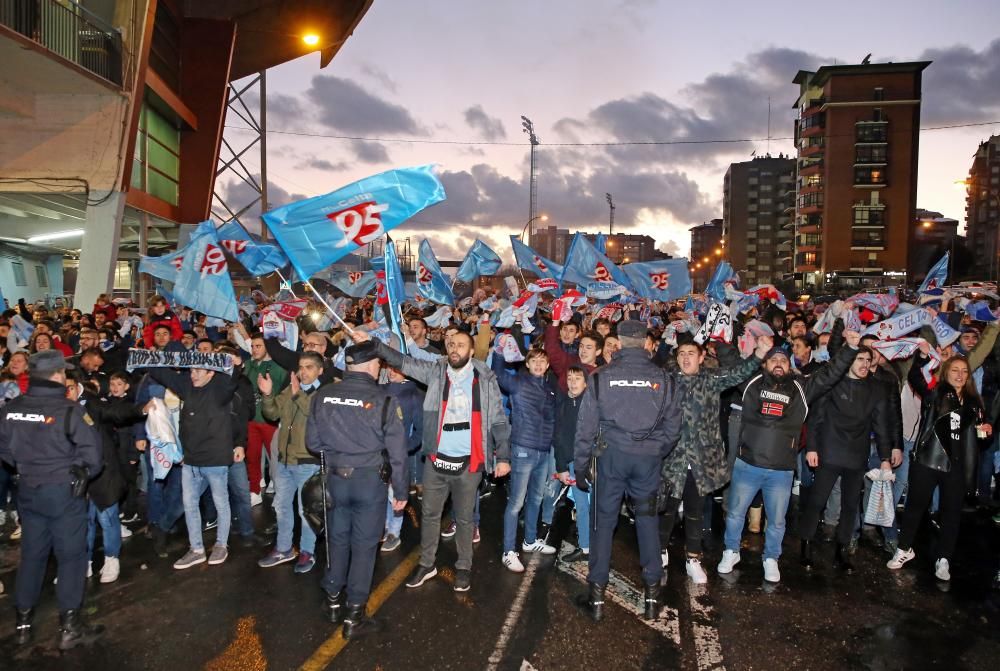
[(333, 314)]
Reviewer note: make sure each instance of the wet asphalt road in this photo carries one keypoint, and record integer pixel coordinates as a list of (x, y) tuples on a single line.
[(238, 616)]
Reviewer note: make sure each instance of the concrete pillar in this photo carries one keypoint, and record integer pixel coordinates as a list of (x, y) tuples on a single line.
[(99, 252), (54, 269)]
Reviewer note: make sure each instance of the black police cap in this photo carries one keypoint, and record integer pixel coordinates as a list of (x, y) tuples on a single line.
[(361, 353)]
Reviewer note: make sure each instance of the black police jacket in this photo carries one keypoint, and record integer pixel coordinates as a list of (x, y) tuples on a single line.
[(43, 434), (634, 403), (353, 421)]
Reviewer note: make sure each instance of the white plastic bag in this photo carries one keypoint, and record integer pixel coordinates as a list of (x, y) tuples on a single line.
[(881, 510)]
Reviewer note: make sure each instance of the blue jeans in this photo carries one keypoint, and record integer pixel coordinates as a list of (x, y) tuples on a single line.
[(288, 481), (777, 490), (582, 502), (239, 499), (417, 468), (529, 472), (393, 521), (111, 529), (164, 500), (194, 481), (552, 489)]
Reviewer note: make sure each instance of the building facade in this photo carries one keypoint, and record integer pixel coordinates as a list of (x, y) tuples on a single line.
[(706, 252), (553, 243), (982, 209), (857, 137), (756, 199)]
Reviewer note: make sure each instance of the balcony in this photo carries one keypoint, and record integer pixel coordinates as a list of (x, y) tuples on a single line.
[(810, 229), (811, 131), (811, 150), (813, 168), (69, 32)]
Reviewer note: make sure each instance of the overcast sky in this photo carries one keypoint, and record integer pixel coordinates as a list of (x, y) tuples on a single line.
[(590, 71)]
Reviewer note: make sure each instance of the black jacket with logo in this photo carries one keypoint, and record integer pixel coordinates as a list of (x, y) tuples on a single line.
[(43, 434), (774, 411)]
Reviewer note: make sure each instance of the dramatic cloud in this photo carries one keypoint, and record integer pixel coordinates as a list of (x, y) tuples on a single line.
[(343, 105), (490, 128), (379, 75), (370, 152), (961, 85), (238, 195), (323, 164)]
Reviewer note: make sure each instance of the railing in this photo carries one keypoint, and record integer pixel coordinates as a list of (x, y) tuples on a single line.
[(69, 30)]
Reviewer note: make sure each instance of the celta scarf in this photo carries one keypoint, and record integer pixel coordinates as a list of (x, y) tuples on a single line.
[(477, 456)]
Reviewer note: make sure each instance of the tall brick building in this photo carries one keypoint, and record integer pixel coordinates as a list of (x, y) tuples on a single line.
[(982, 208)]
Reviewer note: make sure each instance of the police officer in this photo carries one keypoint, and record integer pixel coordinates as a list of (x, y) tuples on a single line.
[(358, 427), (631, 406), (53, 444)]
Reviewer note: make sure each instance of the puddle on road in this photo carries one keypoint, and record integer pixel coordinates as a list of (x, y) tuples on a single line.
[(245, 653)]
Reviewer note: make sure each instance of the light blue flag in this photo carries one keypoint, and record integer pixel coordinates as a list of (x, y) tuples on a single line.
[(716, 288), (318, 231), (432, 283), (480, 260), (168, 266), (258, 257), (601, 243), (395, 290), (662, 280), (936, 276), (584, 264), (527, 259), (203, 282), (355, 283)]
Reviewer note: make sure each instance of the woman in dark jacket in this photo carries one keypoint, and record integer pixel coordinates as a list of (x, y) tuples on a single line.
[(951, 415)]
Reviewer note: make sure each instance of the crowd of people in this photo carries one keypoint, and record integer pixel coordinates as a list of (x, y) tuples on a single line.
[(631, 412)]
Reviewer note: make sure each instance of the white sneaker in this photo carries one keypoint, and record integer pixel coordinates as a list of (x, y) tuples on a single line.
[(255, 499), (15, 535), (730, 558), (110, 570), (771, 572), (126, 532), (270, 488), (695, 571), (942, 570), (3, 517), (900, 558), (664, 559), (513, 562), (539, 546)]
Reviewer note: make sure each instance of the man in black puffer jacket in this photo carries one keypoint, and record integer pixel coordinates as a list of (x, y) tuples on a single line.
[(855, 408)]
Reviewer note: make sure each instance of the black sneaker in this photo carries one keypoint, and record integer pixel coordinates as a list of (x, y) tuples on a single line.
[(421, 575), (575, 556), (463, 580)]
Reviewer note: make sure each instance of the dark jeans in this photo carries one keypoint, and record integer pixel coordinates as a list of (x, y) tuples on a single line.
[(694, 508), (619, 473), (239, 500), (164, 498), (130, 472), (851, 486), (52, 519), (7, 486), (923, 480), (464, 491), (355, 525)]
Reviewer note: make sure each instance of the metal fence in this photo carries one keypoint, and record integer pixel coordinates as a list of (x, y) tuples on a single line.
[(67, 29)]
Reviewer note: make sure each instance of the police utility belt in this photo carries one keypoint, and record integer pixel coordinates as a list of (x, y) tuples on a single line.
[(384, 469)]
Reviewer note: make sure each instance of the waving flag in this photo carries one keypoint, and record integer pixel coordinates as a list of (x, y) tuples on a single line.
[(395, 292), (480, 260), (432, 283), (980, 311), (662, 280), (203, 281), (168, 266), (258, 257), (318, 231), (584, 264), (527, 259), (769, 292), (354, 283), (883, 304), (716, 288), (936, 276), (601, 243)]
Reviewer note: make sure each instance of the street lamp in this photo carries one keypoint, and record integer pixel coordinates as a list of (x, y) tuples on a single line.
[(611, 220), (311, 39), (541, 217), (529, 130)]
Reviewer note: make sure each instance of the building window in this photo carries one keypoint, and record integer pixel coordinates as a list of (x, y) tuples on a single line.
[(813, 121), (869, 176), (871, 131), (879, 93), (811, 200), (42, 277), (869, 216), (868, 237), (19, 278), (156, 164), (871, 153)]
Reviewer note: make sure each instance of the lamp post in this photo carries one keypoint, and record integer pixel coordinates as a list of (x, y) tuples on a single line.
[(541, 217), (529, 129), (611, 218)]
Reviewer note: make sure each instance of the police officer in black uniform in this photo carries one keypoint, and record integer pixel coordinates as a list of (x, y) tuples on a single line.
[(630, 405), (53, 444), (358, 427)]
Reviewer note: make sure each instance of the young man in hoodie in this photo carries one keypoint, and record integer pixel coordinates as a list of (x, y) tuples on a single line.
[(567, 412)]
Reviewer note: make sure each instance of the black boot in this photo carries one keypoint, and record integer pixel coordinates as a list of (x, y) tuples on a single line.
[(651, 600), (73, 631), (593, 602), (334, 607), (25, 618), (357, 623), (841, 560), (806, 558)]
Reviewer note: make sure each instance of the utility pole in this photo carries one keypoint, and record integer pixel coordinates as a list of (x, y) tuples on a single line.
[(529, 129), (611, 218)]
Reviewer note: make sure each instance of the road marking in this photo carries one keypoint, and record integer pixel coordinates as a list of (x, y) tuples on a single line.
[(706, 636), (332, 646), (514, 615), (628, 596)]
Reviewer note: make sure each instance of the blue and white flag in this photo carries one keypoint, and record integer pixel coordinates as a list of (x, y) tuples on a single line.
[(480, 260), (716, 288), (168, 266), (354, 283), (318, 231), (662, 280), (395, 290), (601, 243), (203, 281), (528, 260), (257, 256), (980, 311), (432, 283), (936, 276), (584, 264)]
